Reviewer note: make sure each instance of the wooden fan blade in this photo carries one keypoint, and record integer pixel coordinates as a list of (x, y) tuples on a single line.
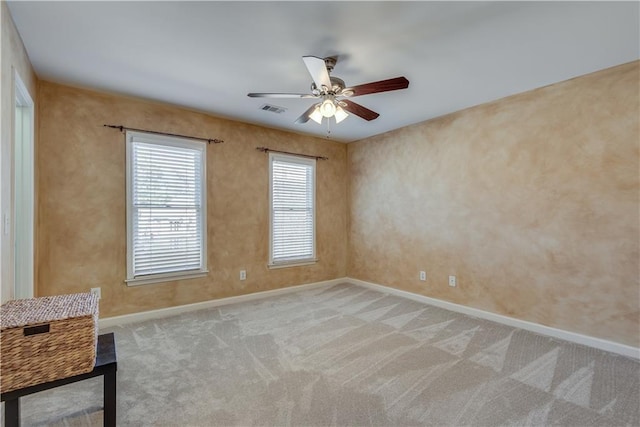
[(280, 95), (376, 87), (318, 71), (304, 118), (359, 110)]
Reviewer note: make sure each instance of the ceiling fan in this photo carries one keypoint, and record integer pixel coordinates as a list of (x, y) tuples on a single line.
[(331, 91)]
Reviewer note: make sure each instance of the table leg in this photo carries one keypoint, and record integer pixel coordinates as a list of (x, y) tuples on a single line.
[(12, 413), (110, 398)]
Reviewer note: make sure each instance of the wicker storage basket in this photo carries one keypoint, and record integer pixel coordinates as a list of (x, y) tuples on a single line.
[(48, 338)]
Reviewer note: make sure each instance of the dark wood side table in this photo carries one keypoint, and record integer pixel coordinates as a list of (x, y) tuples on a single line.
[(106, 365)]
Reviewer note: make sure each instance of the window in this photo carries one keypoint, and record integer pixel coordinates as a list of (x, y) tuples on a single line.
[(166, 209), (292, 204)]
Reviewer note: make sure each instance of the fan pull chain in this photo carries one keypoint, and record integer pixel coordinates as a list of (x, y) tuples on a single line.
[(328, 127)]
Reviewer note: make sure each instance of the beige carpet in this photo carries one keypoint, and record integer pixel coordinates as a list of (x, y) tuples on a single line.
[(346, 355)]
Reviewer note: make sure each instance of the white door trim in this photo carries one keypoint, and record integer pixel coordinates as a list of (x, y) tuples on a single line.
[(24, 194)]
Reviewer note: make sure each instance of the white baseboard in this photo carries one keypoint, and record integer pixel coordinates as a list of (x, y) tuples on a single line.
[(108, 322), (598, 343)]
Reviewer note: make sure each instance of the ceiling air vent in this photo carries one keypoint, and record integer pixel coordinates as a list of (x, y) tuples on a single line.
[(273, 108)]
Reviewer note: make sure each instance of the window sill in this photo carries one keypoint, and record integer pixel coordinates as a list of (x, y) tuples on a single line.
[(292, 264), (169, 277)]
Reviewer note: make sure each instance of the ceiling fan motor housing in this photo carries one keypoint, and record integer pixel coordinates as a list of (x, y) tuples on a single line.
[(337, 85)]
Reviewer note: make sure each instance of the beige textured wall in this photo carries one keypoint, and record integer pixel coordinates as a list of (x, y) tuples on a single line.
[(81, 216), (14, 59), (531, 201)]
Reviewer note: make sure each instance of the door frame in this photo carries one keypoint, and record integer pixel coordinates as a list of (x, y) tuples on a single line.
[(23, 190)]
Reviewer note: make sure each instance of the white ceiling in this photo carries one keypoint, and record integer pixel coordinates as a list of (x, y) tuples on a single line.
[(208, 55)]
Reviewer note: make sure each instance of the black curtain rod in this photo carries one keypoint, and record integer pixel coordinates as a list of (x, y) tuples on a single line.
[(123, 128), (266, 150)]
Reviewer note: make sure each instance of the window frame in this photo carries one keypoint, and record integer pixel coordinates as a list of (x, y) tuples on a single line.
[(307, 162), (148, 138)]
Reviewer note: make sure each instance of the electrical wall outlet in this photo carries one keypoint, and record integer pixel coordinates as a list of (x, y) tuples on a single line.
[(97, 292), (243, 274), (452, 281), (423, 275)]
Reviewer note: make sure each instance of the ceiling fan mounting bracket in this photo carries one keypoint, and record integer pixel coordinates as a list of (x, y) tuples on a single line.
[(330, 62)]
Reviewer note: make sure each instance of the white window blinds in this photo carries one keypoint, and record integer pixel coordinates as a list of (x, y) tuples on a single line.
[(292, 209), (166, 208)]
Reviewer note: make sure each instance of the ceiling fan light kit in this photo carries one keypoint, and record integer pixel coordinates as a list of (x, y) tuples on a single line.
[(340, 114), (330, 89), (328, 107), (315, 115)]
